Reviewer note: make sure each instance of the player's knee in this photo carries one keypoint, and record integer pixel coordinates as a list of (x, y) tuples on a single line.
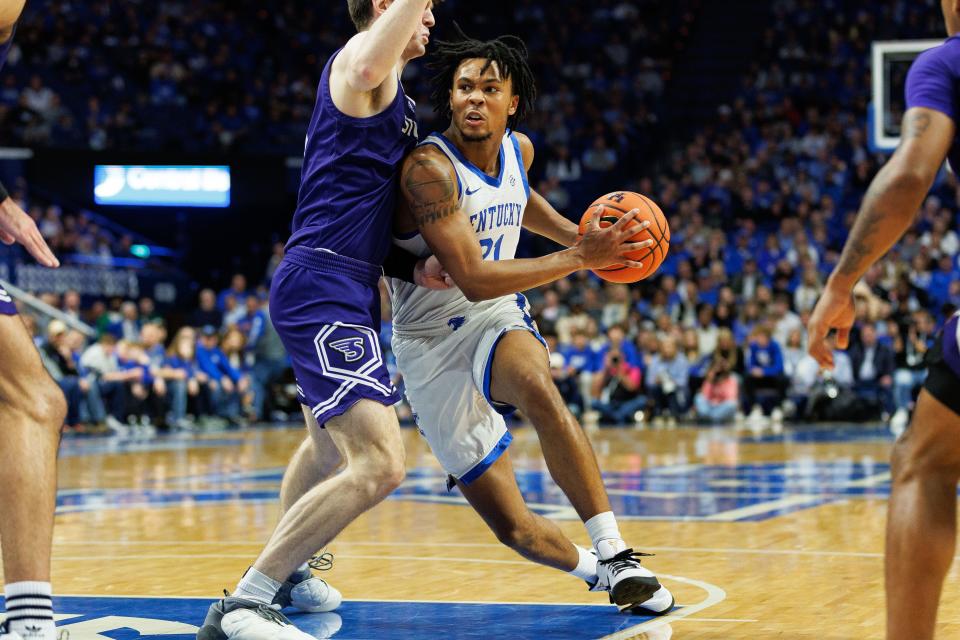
[(914, 457), (539, 392), (48, 407), (378, 473)]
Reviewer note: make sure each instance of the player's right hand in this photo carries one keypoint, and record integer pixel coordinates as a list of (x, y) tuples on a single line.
[(602, 247), (835, 310), (430, 274), (17, 226)]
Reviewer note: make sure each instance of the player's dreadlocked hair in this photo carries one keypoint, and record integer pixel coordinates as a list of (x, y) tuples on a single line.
[(510, 54)]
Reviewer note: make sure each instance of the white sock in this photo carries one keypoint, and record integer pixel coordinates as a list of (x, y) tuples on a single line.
[(257, 586), (587, 566), (605, 535), (30, 610)]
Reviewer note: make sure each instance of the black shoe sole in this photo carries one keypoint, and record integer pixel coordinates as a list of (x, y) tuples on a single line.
[(630, 592), (641, 610), (211, 632)]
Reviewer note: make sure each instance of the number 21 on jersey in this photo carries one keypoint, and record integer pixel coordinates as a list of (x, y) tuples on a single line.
[(488, 245)]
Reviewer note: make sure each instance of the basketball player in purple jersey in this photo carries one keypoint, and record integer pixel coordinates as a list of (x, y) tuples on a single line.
[(922, 513), (325, 305), (32, 409)]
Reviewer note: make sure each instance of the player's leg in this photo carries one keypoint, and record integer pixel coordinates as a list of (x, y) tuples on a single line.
[(922, 518), (496, 497), (368, 437), (316, 459), (32, 409), (520, 376)]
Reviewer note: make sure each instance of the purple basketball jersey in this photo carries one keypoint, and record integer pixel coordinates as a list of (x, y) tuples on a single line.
[(348, 184), (934, 82)]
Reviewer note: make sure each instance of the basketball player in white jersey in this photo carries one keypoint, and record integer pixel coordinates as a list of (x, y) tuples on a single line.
[(470, 354)]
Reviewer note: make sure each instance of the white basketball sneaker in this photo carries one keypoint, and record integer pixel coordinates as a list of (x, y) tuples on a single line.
[(307, 592), (242, 619), (631, 586)]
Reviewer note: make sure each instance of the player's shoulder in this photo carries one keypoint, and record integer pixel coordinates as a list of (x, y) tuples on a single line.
[(942, 58), (526, 147), (427, 159)]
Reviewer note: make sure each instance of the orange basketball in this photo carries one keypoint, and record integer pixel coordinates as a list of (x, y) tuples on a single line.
[(613, 205)]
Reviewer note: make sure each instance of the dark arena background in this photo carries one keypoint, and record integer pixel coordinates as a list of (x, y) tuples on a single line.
[(158, 146)]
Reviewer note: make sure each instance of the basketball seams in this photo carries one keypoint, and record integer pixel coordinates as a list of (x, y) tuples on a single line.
[(658, 242)]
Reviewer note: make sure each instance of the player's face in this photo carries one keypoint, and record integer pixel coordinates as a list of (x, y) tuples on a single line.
[(418, 43), (481, 102)]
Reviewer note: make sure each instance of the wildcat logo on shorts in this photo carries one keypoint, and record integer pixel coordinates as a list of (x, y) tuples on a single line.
[(351, 348)]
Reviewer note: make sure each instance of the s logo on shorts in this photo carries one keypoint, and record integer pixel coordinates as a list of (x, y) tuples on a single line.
[(351, 348), (351, 353)]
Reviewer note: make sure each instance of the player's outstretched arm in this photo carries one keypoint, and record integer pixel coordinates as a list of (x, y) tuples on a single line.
[(429, 186), (10, 11), (371, 57), (539, 216), (888, 209)]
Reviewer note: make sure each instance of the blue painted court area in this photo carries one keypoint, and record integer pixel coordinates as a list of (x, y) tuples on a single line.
[(122, 618)]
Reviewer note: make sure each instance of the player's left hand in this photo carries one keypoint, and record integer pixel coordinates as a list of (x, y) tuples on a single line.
[(835, 310), (430, 273), (17, 226)]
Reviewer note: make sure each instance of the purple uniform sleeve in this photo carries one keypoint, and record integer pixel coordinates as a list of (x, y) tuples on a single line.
[(931, 80)]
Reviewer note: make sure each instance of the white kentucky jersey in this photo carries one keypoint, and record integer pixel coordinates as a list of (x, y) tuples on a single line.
[(495, 207)]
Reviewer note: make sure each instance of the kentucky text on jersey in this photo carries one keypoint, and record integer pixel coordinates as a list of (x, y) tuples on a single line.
[(509, 214)]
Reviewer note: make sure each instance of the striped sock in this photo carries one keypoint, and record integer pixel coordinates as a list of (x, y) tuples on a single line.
[(30, 610)]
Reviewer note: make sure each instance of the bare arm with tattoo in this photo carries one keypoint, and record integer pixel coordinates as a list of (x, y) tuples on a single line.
[(888, 209), (429, 187)]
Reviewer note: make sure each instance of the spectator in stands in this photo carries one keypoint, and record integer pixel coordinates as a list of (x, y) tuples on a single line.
[(764, 370), (146, 394), (71, 304), (567, 383), (276, 257), (59, 363), (100, 361), (719, 397), (270, 362), (707, 329), (873, 365), (181, 362), (910, 370), (207, 313), (807, 294), (148, 311), (617, 391), (785, 320), (234, 345), (226, 384), (667, 381), (237, 290), (129, 325)]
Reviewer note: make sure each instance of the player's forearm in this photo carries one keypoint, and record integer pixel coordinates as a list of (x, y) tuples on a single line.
[(378, 53), (542, 219), (10, 11), (888, 209), (490, 279)]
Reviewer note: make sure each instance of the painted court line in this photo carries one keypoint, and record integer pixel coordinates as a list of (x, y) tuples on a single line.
[(714, 596)]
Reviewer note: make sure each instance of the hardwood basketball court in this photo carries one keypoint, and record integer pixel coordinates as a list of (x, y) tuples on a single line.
[(758, 537)]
